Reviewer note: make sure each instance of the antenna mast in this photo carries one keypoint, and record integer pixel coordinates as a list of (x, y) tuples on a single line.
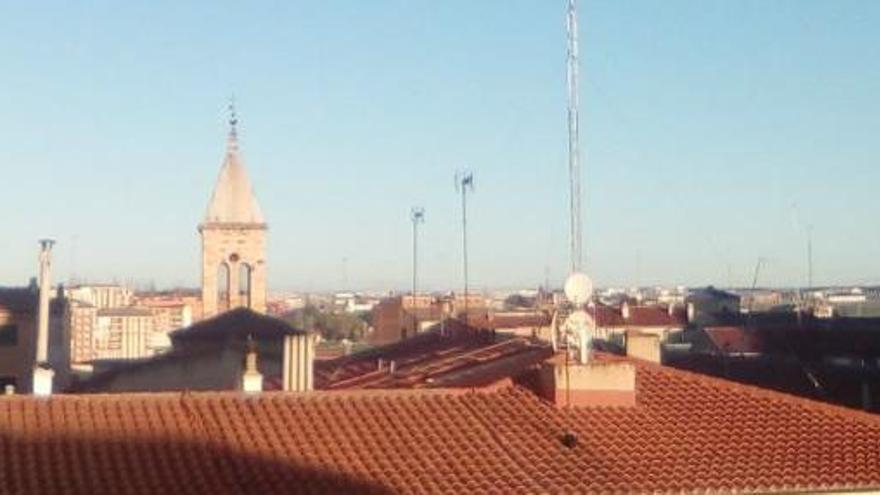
[(465, 181), (574, 166), (417, 215)]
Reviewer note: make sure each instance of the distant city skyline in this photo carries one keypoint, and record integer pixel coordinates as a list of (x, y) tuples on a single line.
[(713, 134)]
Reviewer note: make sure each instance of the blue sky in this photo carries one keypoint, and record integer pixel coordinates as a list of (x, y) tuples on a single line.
[(714, 133)]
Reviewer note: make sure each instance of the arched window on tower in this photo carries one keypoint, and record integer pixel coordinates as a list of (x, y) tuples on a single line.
[(222, 287), (244, 284)]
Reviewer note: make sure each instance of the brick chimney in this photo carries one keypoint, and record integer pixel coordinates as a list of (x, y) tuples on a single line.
[(43, 374)]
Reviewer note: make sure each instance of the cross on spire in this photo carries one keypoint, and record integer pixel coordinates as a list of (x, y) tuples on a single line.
[(233, 118), (232, 140)]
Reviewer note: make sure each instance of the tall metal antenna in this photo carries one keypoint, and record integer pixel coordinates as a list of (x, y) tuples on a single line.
[(809, 257), (574, 166), (463, 182), (417, 215)]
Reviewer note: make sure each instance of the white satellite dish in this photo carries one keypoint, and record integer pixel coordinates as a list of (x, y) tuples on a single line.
[(578, 288)]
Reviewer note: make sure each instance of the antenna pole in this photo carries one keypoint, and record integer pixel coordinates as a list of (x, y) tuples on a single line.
[(465, 181), (809, 257), (464, 247), (417, 215), (574, 167)]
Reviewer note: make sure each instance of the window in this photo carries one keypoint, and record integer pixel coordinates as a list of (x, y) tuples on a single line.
[(8, 335)]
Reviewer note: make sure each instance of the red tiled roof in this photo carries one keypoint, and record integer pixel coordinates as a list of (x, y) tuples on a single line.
[(500, 321), (640, 316), (463, 359), (687, 433)]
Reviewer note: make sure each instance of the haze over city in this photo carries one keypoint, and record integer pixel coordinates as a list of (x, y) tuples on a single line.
[(714, 133)]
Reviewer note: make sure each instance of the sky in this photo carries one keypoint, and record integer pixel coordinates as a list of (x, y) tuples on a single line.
[(714, 133)]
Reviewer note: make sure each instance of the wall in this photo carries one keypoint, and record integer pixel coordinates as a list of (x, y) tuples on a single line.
[(233, 245), (17, 360)]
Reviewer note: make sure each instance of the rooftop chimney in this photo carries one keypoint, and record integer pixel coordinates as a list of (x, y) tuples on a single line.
[(597, 383), (43, 374), (625, 311), (299, 359), (251, 379), (644, 346)]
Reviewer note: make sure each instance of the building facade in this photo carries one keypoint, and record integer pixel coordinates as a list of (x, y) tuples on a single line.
[(127, 333)]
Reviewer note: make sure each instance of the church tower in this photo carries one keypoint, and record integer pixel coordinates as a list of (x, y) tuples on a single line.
[(233, 239)]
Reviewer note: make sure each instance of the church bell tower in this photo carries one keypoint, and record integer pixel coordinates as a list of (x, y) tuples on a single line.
[(233, 239)]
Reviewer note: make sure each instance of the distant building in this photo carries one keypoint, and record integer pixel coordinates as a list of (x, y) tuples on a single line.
[(127, 333), (81, 319), (173, 310), (612, 323), (101, 295), (712, 307), (233, 240)]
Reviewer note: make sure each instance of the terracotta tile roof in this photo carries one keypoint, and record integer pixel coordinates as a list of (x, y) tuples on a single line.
[(463, 359), (640, 316), (687, 433), (500, 321)]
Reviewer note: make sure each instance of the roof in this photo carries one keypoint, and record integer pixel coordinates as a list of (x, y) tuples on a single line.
[(433, 360), (511, 319), (736, 340), (687, 433), (711, 292), (640, 316), (233, 200), (238, 323), (18, 299)]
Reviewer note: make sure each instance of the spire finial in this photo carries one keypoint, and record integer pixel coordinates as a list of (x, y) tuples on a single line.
[(233, 118)]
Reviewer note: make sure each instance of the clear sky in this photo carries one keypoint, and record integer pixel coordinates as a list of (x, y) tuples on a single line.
[(714, 133)]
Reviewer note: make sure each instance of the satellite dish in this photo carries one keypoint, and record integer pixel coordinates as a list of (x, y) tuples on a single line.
[(578, 288)]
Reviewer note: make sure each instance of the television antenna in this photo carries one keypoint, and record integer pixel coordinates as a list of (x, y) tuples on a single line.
[(574, 166), (417, 216), (464, 182), (573, 327)]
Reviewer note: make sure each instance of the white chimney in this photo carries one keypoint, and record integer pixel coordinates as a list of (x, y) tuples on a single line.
[(251, 379), (625, 311), (299, 360), (43, 374)]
